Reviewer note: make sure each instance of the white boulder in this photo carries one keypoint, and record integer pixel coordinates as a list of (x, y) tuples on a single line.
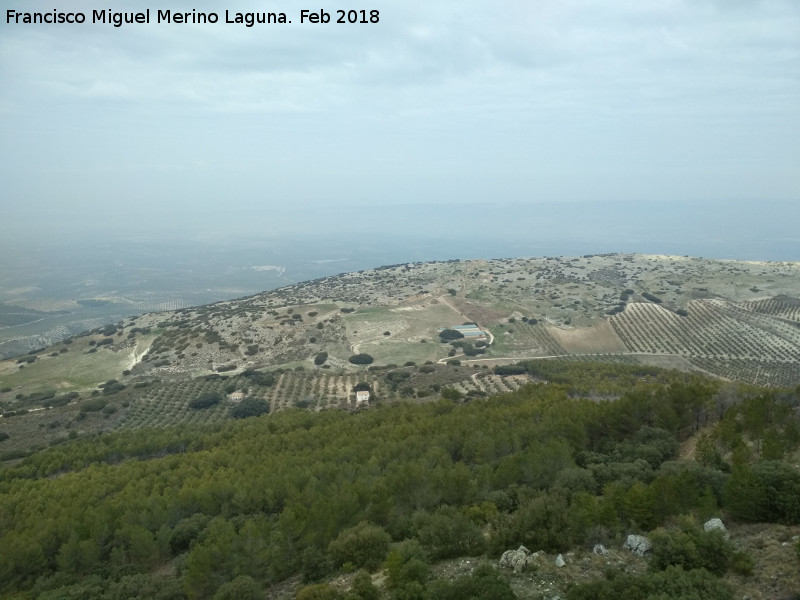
[(715, 525), (518, 559), (638, 544)]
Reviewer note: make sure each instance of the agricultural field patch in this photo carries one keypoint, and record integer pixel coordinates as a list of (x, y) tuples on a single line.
[(732, 319), (398, 352), (599, 338), (715, 334)]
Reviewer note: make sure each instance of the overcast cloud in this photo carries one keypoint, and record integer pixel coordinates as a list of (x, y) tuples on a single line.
[(440, 102)]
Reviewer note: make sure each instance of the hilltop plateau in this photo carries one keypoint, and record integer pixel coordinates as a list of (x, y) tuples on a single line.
[(732, 320)]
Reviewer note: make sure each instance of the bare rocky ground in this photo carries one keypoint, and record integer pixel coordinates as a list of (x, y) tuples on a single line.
[(776, 573)]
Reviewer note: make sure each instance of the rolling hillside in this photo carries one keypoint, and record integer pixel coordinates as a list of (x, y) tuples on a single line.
[(733, 320)]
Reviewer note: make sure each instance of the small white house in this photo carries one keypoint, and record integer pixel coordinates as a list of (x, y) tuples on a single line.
[(236, 396), (362, 397)]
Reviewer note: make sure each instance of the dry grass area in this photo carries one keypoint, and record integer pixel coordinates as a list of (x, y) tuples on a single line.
[(776, 572)]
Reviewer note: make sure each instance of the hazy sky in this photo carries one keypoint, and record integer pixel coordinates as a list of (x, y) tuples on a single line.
[(442, 101)]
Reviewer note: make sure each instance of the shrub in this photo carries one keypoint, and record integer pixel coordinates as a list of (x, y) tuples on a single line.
[(363, 587), (470, 351), (361, 359), (448, 335), (241, 588), (396, 377), (770, 492), (206, 400), (15, 413), (93, 405), (484, 583), (406, 567), (186, 531), (113, 388), (315, 565), (264, 378), (742, 564), (673, 584), (452, 394), (320, 591), (509, 370), (320, 358), (691, 548), (364, 545), (249, 407), (448, 532)]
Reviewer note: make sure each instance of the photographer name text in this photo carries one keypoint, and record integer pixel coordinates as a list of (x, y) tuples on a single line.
[(193, 17)]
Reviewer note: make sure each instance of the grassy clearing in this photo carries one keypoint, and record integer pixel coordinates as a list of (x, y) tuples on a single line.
[(406, 326), (72, 370), (398, 352)]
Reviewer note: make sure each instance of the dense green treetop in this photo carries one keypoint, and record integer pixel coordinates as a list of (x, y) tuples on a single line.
[(296, 492)]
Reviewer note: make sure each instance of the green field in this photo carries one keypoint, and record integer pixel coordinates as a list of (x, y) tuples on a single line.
[(71, 370)]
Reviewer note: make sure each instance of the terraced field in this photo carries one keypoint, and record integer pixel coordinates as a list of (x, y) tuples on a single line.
[(317, 391), (737, 341), (783, 307), (491, 384)]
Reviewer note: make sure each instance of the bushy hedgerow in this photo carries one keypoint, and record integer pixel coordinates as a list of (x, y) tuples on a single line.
[(361, 359)]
